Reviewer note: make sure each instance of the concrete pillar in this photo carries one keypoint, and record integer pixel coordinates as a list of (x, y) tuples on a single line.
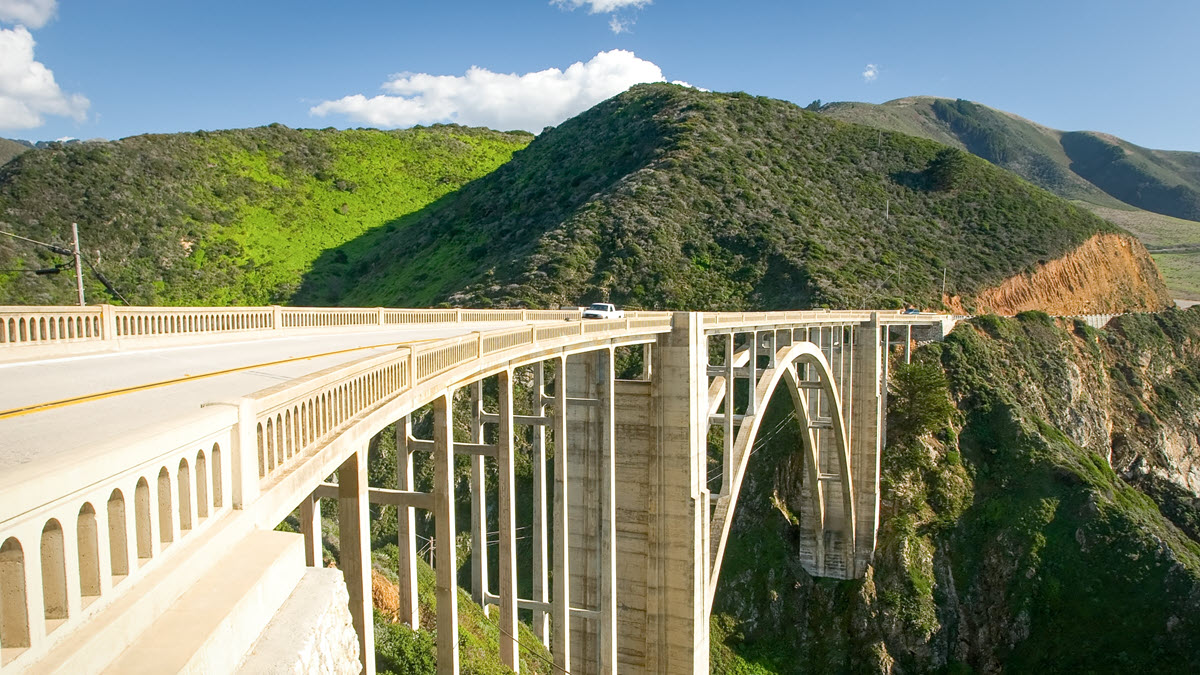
[(608, 513), (561, 644), (583, 467), (310, 527), (908, 343), (506, 451), (677, 515), (443, 513), (866, 441), (540, 532), (479, 523), (636, 433), (727, 468), (406, 530), (354, 539)]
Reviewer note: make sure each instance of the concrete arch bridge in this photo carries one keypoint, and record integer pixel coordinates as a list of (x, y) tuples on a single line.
[(146, 454)]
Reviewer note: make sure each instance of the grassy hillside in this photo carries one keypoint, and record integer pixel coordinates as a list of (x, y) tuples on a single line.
[(1153, 193), (1088, 166), (666, 196), (228, 217), (10, 149), (1158, 181), (1006, 544)]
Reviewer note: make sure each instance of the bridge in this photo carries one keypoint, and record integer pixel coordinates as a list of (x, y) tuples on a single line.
[(148, 454)]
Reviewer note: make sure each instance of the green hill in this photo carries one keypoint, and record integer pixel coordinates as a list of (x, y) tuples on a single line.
[(1082, 165), (10, 149), (666, 196), (1153, 193), (226, 217)]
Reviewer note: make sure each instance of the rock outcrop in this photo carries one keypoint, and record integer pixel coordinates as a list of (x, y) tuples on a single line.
[(1107, 274)]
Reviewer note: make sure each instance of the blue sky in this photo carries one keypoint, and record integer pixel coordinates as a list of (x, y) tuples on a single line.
[(123, 67)]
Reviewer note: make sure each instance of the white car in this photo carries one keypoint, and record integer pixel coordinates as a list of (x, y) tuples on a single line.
[(603, 310)]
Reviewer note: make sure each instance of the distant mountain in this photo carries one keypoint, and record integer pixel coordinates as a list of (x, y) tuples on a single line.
[(10, 148), (224, 217), (1084, 165), (666, 196)]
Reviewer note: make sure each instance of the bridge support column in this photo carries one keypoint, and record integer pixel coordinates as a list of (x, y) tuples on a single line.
[(443, 513), (676, 583), (561, 608), (866, 438), (592, 514), (541, 536), (406, 530), (479, 523), (354, 538), (506, 452), (310, 527)]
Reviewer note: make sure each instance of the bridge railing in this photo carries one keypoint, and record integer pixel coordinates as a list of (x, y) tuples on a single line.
[(294, 418), (101, 326)]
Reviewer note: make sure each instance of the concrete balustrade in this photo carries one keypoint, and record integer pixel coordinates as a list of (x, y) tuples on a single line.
[(65, 560), (74, 541), (45, 332)]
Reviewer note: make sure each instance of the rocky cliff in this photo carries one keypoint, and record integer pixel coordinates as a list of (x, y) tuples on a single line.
[(1108, 273)]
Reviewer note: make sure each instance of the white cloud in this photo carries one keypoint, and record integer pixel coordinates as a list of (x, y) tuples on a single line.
[(870, 73), (32, 13), (601, 6), (497, 100), (618, 25), (27, 88)]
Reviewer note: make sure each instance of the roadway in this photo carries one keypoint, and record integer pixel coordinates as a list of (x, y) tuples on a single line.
[(75, 409)]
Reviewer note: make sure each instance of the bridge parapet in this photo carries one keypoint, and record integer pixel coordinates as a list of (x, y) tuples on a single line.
[(47, 332)]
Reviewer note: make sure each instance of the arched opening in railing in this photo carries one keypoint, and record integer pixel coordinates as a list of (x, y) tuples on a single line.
[(166, 525), (141, 513), (183, 479), (14, 606), (88, 542), (262, 451), (201, 485), (54, 574), (279, 440), (269, 434), (118, 537), (217, 491), (287, 421)]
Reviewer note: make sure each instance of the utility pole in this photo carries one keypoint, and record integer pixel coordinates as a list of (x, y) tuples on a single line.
[(78, 263), (943, 282)]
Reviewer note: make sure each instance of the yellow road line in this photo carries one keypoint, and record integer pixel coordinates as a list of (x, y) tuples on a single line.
[(62, 403)]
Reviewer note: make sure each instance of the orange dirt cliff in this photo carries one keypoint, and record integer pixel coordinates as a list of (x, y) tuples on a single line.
[(1107, 274)]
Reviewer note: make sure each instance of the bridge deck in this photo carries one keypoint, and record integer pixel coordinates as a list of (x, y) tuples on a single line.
[(43, 439)]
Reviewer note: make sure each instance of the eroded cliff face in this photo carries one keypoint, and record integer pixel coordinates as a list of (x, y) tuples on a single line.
[(1108, 274), (1051, 524)]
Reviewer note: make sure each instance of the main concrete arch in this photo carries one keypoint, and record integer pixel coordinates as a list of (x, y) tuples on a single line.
[(819, 377)]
